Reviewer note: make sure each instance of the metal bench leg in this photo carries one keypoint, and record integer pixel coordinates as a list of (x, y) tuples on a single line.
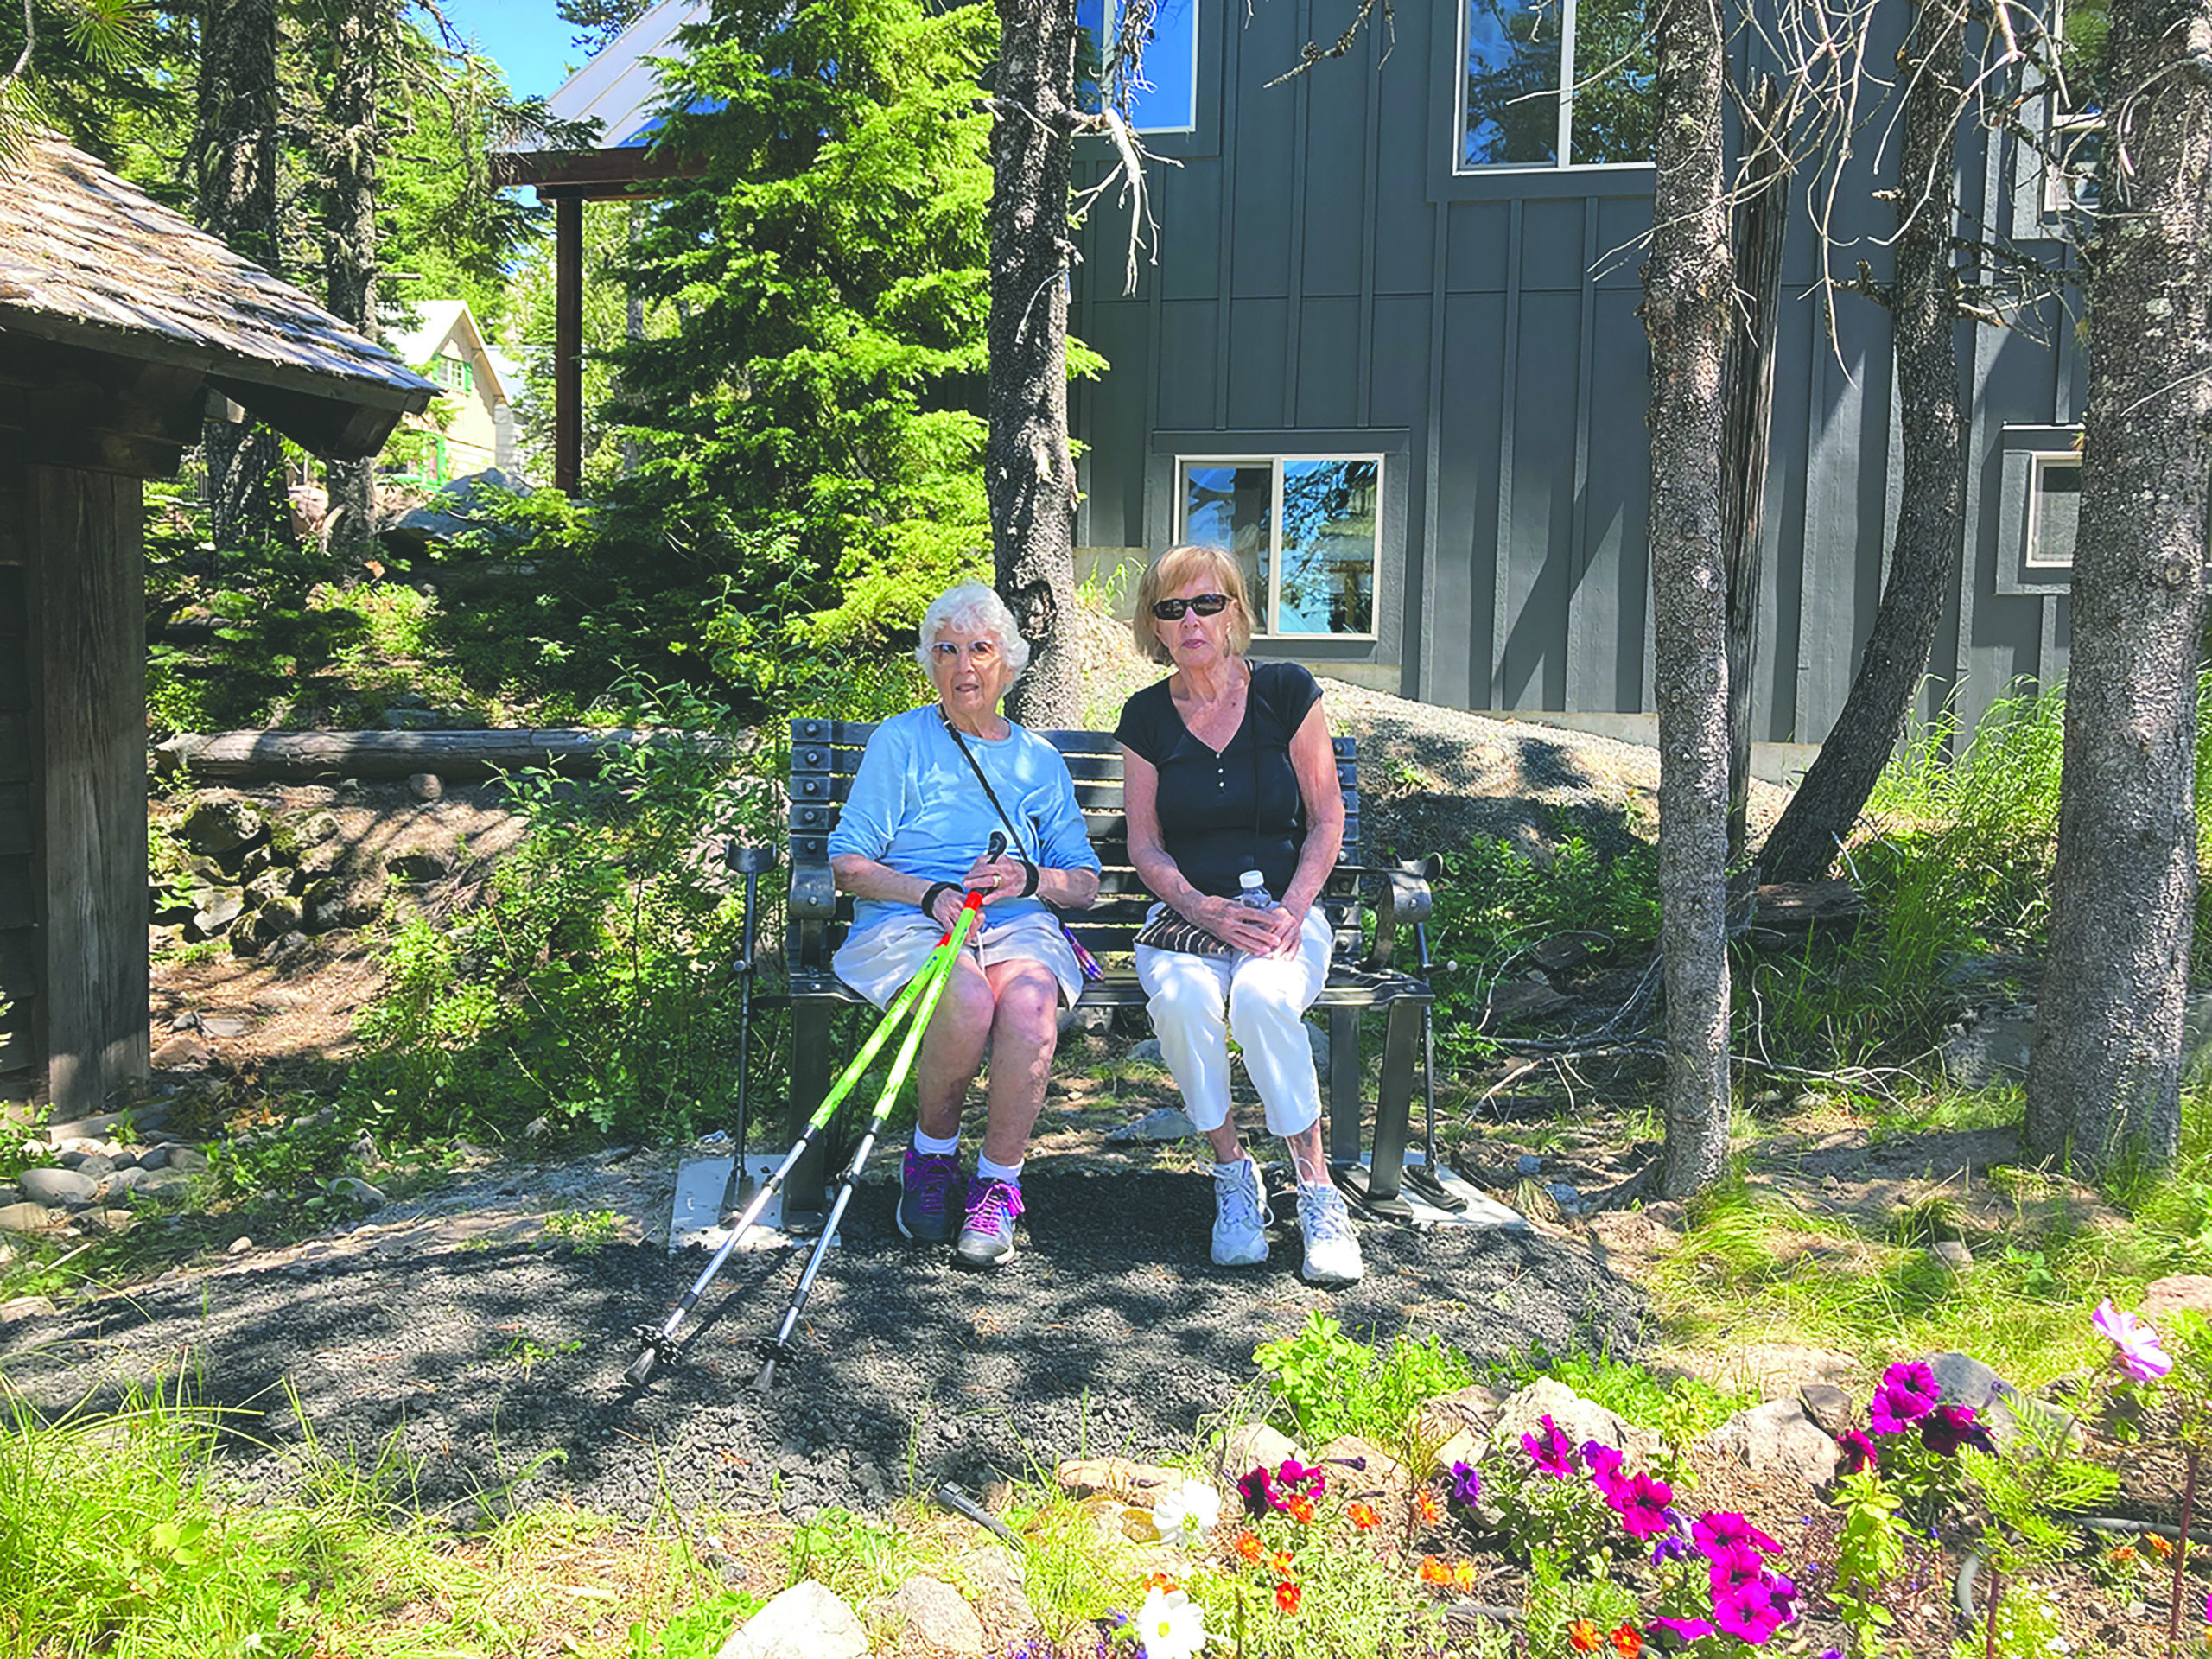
[(1393, 1101), (810, 1056), (1343, 1086)]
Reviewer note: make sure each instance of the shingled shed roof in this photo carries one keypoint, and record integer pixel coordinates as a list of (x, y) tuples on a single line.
[(90, 263)]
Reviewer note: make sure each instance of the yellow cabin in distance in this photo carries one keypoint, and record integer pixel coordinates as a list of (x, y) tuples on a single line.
[(471, 425)]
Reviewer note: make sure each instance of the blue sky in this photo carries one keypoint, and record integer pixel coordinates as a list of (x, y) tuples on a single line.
[(526, 38)]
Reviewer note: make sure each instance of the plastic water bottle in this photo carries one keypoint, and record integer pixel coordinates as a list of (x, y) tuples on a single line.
[(1254, 894)]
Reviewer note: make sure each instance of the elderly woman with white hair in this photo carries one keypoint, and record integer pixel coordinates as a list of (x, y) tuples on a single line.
[(934, 786)]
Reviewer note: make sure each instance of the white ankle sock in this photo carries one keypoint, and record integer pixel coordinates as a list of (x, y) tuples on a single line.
[(931, 1146), (987, 1170)]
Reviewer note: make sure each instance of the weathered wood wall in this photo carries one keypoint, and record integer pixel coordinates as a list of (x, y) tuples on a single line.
[(72, 825)]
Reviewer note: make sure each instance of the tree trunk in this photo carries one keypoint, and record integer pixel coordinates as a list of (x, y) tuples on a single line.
[(1689, 291), (1924, 558), (1028, 470), (234, 165), (1761, 216), (349, 223), (2104, 1078)]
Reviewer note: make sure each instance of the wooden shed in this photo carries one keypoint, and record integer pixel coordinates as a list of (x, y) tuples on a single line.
[(122, 328)]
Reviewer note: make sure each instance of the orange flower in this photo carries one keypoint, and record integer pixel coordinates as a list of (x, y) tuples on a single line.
[(2124, 1557), (1363, 1516), (1433, 1571), (1626, 1639), (1162, 1582), (1582, 1636), (1247, 1546), (1288, 1596), (1463, 1576), (1431, 1510), (1280, 1564), (2158, 1545), (1301, 1510)]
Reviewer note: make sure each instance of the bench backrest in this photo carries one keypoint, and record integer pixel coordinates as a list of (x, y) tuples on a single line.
[(826, 753)]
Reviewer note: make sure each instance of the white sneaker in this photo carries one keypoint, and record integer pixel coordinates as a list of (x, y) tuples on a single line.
[(1331, 1247), (1239, 1215)]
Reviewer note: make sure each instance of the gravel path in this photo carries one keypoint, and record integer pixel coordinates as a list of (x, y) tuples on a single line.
[(496, 1364)]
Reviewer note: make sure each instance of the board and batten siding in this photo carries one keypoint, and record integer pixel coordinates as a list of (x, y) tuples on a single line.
[(1325, 283), (73, 783)]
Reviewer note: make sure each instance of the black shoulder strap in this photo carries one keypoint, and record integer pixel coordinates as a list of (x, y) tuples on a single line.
[(967, 755)]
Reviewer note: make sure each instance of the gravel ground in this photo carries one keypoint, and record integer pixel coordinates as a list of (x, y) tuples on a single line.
[(496, 1364)]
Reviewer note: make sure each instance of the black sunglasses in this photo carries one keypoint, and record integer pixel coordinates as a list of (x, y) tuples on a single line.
[(1171, 610)]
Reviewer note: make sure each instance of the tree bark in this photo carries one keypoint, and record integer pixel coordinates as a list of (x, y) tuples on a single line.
[(1688, 290), (1029, 471), (234, 165), (1925, 556), (355, 42), (2104, 1077)]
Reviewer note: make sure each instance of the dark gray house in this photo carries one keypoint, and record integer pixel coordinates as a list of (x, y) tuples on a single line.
[(1389, 352)]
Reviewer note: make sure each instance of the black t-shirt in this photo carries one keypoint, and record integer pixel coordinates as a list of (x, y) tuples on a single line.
[(1221, 815)]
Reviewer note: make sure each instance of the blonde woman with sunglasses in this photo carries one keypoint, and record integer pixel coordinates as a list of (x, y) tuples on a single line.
[(1228, 769)]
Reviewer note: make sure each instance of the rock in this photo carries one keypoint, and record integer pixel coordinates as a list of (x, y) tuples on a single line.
[(1471, 1410), (224, 1025), (934, 1612), (1162, 1124), (1781, 1441), (1564, 1195), (1248, 1446), (1562, 951), (425, 786), (215, 909), (100, 1123), (1527, 1164), (1120, 1477), (2175, 1294), (309, 829), (1579, 1420), (279, 998), (58, 1186), (1146, 1051), (25, 1308), (992, 1573), (268, 886), (155, 1158), (25, 1218), (1521, 1002), (334, 903), (1967, 1380), (277, 919), (353, 1188), (92, 1166), (1994, 1050), (1953, 1254), (190, 1160), (255, 863), (329, 859), (1829, 1406), (239, 1246), (805, 1622), (288, 949), (162, 1182), (1359, 1468), (217, 827), (421, 864), (124, 1182)]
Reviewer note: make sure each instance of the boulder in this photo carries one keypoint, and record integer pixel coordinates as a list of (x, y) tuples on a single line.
[(353, 1188), (275, 919), (183, 1052), (934, 1612), (25, 1308), (162, 1182), (2176, 1293), (54, 1187), (1162, 1124), (805, 1622), (425, 786), (214, 910), (190, 1160), (337, 903), (25, 1218), (1782, 1442), (420, 864), (301, 830), (218, 827), (1829, 1406), (1121, 1477), (1248, 1446), (268, 886), (992, 1573), (1967, 1380), (254, 862), (1579, 1420)]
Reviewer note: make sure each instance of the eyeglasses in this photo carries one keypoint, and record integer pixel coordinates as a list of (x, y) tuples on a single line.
[(1171, 610)]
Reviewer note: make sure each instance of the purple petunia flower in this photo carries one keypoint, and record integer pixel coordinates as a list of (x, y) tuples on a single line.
[(2140, 1354), (1752, 1609), (1604, 1465), (1554, 1455), (1642, 1507), (1908, 1393), (1947, 1428), (1858, 1451), (1724, 1531), (1466, 1483), (1688, 1629), (1258, 1491)]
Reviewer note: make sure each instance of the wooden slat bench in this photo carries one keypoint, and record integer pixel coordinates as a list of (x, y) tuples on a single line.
[(826, 753)]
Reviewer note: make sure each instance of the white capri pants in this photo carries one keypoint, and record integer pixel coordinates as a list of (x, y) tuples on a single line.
[(1265, 999)]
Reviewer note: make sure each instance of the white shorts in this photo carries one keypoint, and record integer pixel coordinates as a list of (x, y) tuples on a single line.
[(877, 962)]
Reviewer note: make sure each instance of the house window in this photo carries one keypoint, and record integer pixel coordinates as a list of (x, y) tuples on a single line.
[(452, 371), (1556, 83), (1307, 530), (1164, 98), (2054, 511)]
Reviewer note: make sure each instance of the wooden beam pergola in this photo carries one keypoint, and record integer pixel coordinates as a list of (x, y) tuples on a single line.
[(570, 178)]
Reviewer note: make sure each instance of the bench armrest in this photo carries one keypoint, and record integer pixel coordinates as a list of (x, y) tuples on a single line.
[(1406, 900), (814, 894)]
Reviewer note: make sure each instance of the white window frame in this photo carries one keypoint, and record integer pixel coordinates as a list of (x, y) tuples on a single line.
[(1564, 140), (2040, 462), (1112, 13), (1275, 463)]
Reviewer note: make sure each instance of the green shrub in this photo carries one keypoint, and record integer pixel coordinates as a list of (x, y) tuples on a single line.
[(1333, 1385)]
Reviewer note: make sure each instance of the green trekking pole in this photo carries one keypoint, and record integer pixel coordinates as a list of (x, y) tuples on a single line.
[(777, 1349), (658, 1340)]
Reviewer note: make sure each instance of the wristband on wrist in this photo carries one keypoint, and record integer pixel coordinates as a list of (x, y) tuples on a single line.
[(1030, 874), (928, 906)]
